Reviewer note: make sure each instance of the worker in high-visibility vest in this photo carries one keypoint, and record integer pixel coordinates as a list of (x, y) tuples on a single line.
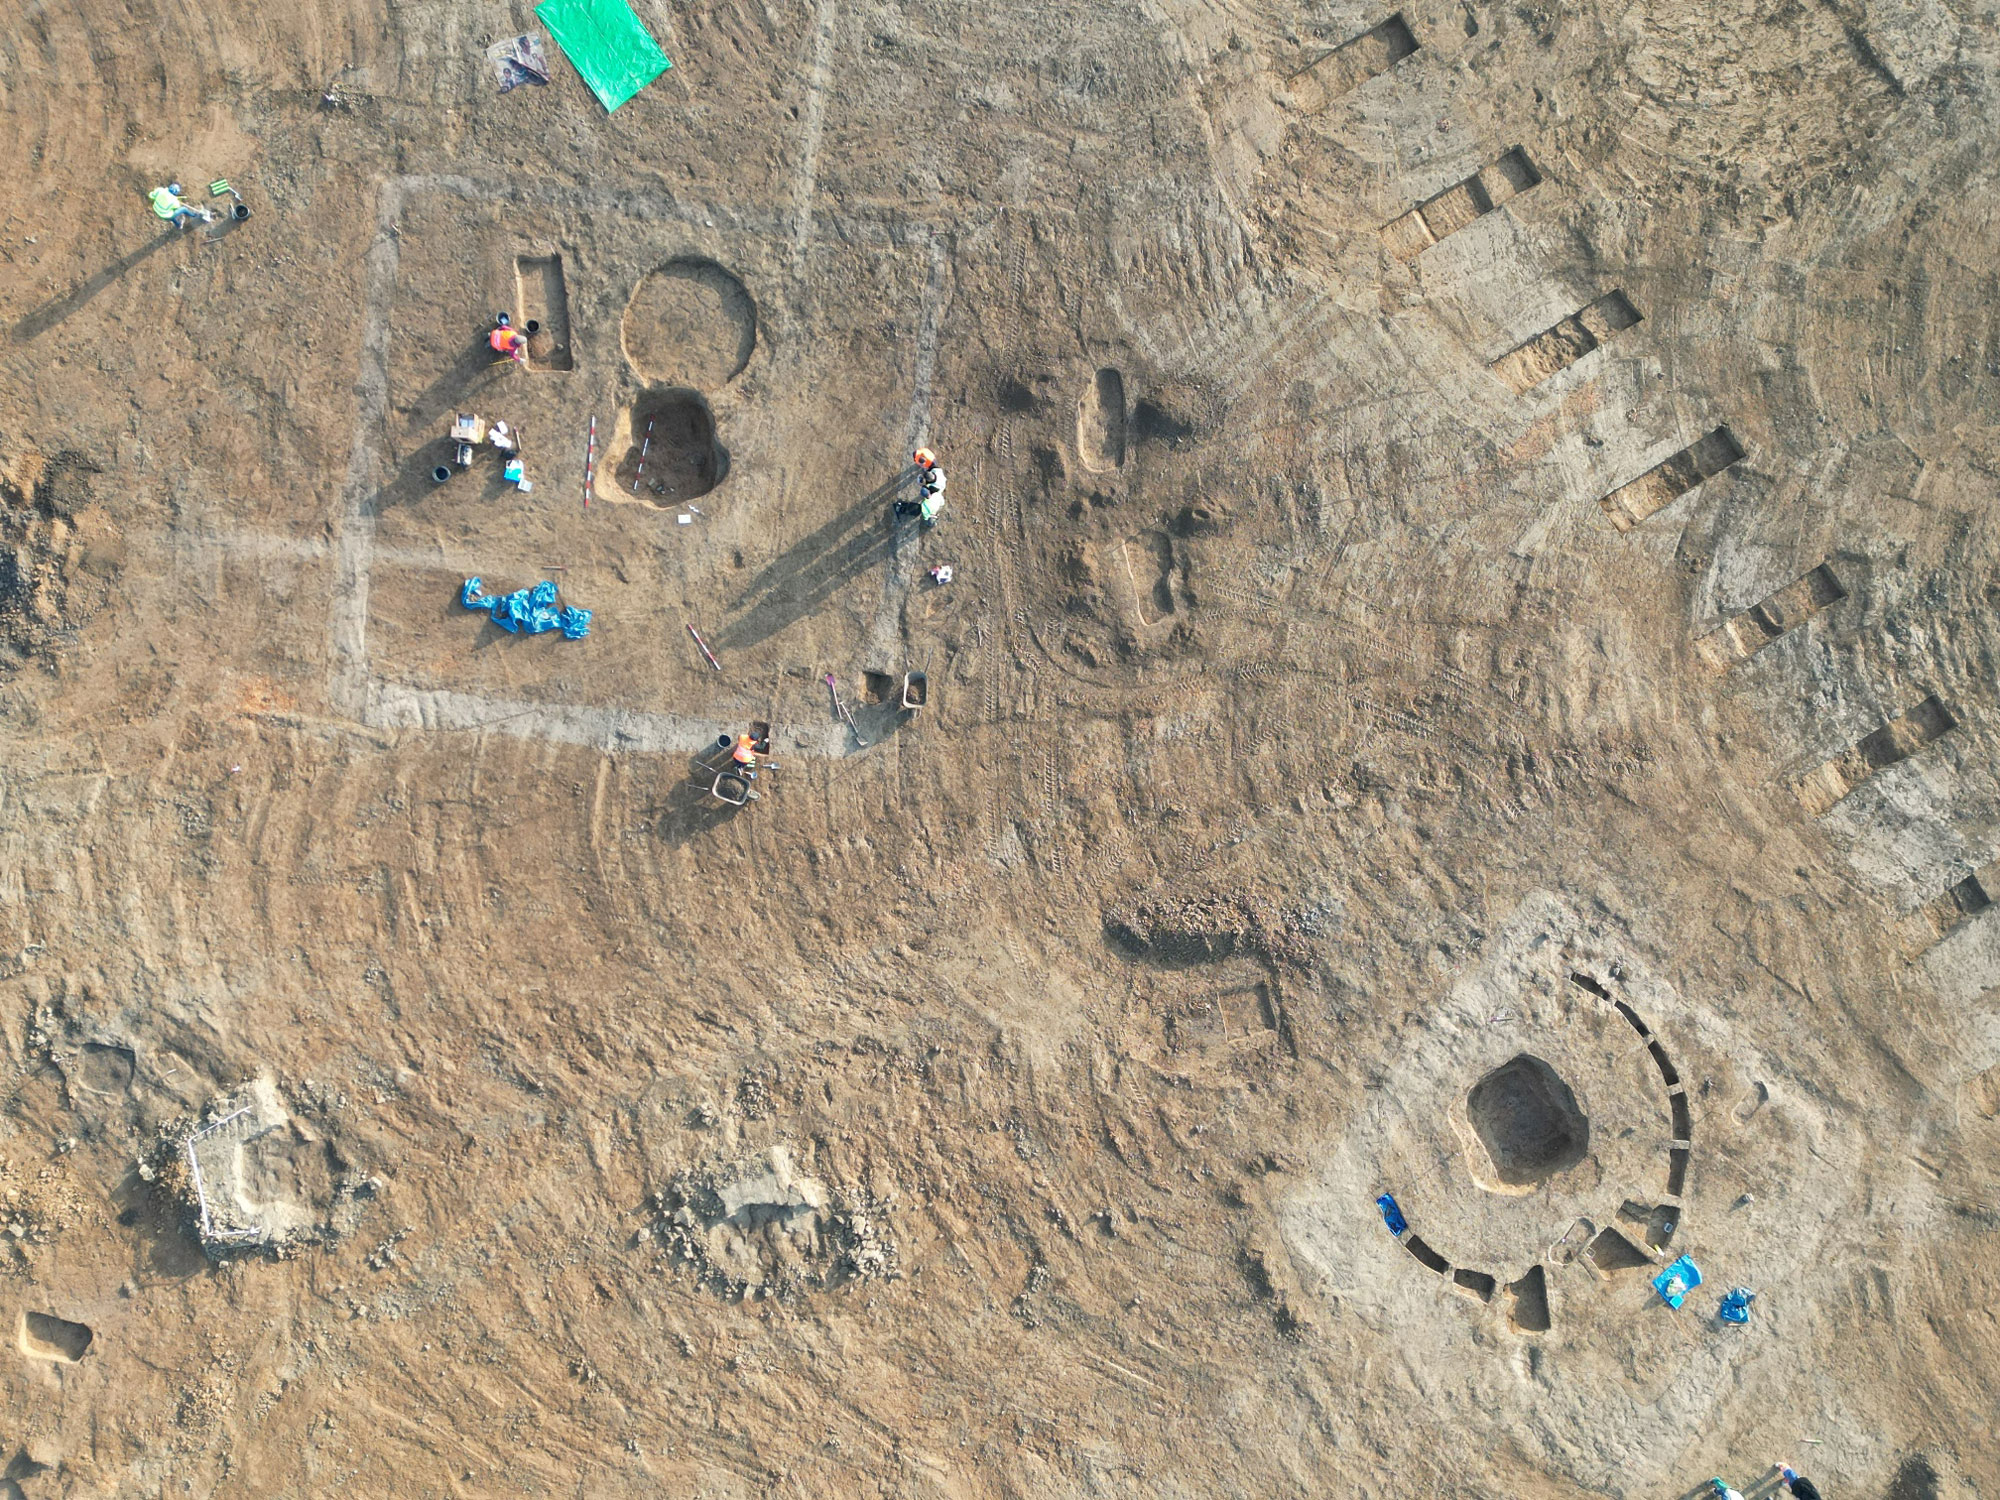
[(508, 340), (933, 497), (745, 753), (168, 204), (930, 501)]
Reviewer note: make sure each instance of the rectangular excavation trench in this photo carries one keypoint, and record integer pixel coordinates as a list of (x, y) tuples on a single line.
[(1585, 982), (1474, 1283), (45, 1336), (1573, 1242), (544, 298), (1669, 1074), (1554, 350), (1672, 478), (1430, 1258), (1655, 1223), (1149, 564), (1357, 60), (1894, 742), (1934, 921), (1460, 204), (1744, 635), (1612, 1251)]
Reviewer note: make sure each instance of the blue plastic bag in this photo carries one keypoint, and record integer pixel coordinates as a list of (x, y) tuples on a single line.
[(1392, 1215), (1674, 1283), (527, 611), (1736, 1305)]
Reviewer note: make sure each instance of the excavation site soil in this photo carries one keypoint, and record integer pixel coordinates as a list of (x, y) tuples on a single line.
[(1442, 826)]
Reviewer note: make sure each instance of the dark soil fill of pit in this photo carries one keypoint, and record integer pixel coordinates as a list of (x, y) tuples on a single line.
[(1477, 1283), (674, 456), (1527, 1119), (1613, 1252), (1529, 1302)]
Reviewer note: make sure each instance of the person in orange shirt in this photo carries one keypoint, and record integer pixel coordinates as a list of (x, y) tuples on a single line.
[(508, 340)]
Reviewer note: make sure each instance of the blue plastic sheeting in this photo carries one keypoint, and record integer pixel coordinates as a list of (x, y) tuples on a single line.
[(1674, 1283), (527, 611), (1392, 1215), (1736, 1305)]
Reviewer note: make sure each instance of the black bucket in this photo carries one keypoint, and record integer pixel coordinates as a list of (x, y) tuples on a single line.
[(241, 211), (441, 473), (533, 325)]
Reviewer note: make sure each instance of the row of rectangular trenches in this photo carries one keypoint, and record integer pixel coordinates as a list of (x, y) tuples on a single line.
[(1527, 1298), (1748, 631), (1680, 1112)]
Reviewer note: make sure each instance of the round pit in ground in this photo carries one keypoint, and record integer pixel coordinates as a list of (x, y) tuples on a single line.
[(670, 452), (690, 323), (1528, 1121)]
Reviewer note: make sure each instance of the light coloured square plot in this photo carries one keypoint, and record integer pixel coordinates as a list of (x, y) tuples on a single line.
[(729, 465)]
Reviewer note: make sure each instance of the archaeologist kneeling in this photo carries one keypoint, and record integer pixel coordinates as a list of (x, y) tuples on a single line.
[(747, 748), (169, 205), (508, 340)]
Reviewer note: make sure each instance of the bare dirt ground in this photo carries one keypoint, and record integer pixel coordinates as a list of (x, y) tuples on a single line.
[(1471, 674)]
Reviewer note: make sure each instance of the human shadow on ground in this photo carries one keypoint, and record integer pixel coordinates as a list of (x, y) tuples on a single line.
[(691, 809), (415, 477), (50, 313), (808, 573), (465, 375)]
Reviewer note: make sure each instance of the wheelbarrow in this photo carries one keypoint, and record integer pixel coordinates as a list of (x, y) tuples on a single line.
[(731, 788), (727, 781)]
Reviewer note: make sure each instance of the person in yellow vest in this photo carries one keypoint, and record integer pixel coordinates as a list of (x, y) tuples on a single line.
[(168, 204)]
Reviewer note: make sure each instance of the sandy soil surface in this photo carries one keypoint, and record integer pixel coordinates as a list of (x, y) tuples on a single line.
[(1470, 675)]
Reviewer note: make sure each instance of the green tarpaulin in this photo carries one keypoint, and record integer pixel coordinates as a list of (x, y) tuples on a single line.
[(608, 44)]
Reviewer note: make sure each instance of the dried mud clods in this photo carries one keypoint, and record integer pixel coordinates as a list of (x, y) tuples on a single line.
[(1210, 927), (761, 1229), (58, 552)]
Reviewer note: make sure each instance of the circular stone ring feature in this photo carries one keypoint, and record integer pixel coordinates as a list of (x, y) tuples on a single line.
[(1528, 1121)]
